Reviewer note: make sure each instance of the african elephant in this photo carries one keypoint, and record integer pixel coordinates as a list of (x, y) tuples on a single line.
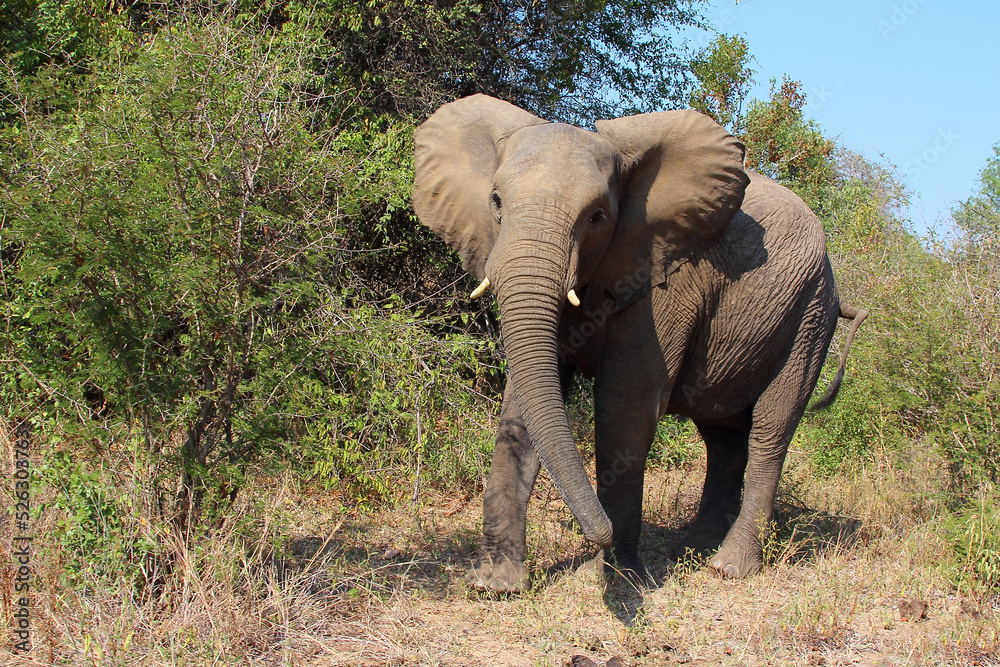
[(645, 256)]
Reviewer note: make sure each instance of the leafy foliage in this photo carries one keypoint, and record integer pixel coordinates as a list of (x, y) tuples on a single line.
[(974, 533), (924, 369), (784, 145), (207, 247), (64, 37), (174, 260), (96, 531), (568, 61), (676, 443), (723, 73), (978, 217)]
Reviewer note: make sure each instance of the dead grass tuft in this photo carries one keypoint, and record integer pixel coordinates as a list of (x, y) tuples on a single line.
[(290, 578)]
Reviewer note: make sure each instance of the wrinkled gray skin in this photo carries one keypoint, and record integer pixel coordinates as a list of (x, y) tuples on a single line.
[(706, 292)]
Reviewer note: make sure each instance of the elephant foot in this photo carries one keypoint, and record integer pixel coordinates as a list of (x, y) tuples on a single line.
[(630, 567), (498, 574), (734, 563)]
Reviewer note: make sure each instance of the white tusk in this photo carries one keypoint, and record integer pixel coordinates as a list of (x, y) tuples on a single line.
[(481, 290), (573, 298)]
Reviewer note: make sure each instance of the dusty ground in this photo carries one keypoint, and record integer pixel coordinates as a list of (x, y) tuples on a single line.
[(301, 581), (830, 595)]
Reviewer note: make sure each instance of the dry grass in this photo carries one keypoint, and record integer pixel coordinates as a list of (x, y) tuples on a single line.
[(292, 578)]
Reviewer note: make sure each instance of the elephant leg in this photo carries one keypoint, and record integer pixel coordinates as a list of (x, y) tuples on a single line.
[(720, 498), (775, 418), (741, 553), (500, 566), (623, 437)]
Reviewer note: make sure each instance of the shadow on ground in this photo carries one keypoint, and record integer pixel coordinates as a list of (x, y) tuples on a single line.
[(805, 533), (349, 561), (801, 534), (365, 555)]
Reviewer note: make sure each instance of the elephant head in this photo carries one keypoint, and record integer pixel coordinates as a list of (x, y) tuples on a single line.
[(547, 213)]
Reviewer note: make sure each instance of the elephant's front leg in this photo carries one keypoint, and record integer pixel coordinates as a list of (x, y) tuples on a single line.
[(500, 566), (624, 431)]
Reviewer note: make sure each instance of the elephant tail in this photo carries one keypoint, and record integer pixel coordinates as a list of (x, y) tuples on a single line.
[(857, 316)]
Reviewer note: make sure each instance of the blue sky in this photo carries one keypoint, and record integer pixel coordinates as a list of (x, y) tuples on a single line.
[(915, 81)]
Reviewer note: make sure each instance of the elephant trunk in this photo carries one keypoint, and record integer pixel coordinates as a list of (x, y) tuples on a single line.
[(530, 274)]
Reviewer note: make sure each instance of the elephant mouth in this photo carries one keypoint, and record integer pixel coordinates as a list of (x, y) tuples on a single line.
[(484, 286)]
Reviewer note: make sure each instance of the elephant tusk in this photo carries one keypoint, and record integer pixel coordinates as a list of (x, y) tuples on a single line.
[(573, 298), (481, 290)]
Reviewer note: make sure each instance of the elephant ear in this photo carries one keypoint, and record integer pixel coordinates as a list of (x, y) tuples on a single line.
[(456, 152), (682, 182)]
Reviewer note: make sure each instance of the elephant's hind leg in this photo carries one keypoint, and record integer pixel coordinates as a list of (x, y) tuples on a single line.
[(775, 418), (720, 497), (500, 566), (742, 554)]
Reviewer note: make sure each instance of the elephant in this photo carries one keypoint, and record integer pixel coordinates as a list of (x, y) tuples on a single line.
[(646, 257)]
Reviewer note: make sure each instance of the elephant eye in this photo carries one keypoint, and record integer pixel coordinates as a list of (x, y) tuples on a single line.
[(598, 217), (496, 205)]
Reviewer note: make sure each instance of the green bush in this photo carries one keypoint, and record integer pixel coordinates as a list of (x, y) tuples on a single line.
[(784, 145), (922, 368), (378, 386), (98, 531), (973, 531), (186, 264), (676, 442)]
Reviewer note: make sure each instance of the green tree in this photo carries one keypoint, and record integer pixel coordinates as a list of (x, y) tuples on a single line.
[(724, 76), (66, 36), (978, 216), (785, 145), (176, 274), (153, 230), (569, 61)]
